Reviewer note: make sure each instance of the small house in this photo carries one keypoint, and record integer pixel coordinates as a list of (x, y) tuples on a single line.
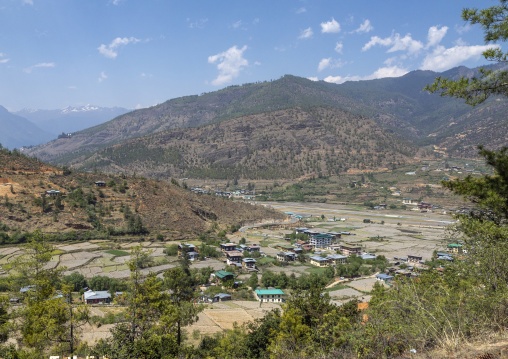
[(454, 248), (286, 256), (186, 248), (410, 201), (226, 247), (414, 259), (269, 295), (97, 297), (249, 264), (384, 277), (368, 256), (100, 184), (348, 249), (193, 256), (234, 257), (223, 276), (222, 297), (254, 248), (337, 259), (319, 261), (52, 193)]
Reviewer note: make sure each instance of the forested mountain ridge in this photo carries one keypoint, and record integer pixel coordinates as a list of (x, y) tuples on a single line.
[(289, 143), (396, 104)]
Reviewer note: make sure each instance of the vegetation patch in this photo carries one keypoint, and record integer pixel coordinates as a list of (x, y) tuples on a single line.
[(117, 252)]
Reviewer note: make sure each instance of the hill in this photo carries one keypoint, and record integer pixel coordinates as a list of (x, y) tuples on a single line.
[(397, 104), (125, 207), (17, 131), (291, 143)]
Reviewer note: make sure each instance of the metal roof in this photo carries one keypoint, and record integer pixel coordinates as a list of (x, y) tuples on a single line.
[(269, 291)]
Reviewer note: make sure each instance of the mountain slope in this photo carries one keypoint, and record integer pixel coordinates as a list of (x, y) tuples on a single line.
[(163, 208), (16, 131), (397, 104), (288, 143)]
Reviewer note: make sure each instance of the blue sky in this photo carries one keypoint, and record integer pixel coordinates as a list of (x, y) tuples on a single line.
[(133, 53)]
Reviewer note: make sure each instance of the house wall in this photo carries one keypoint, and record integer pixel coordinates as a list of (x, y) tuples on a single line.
[(270, 298)]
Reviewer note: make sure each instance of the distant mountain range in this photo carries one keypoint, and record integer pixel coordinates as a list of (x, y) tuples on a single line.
[(71, 119), (33, 127), (17, 131), (288, 128)]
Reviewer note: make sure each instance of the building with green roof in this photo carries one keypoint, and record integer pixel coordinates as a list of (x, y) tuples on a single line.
[(223, 275), (269, 295)]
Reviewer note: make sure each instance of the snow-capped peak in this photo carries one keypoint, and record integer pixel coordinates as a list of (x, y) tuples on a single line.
[(85, 108)]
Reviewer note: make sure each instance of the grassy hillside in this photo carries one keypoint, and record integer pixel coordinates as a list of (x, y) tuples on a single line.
[(126, 207)]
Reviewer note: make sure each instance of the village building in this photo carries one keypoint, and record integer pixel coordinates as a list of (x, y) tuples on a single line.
[(384, 277), (269, 295), (454, 248), (223, 276), (368, 256), (286, 256), (319, 261), (348, 249), (193, 256), (337, 259), (221, 297), (226, 247), (234, 258), (97, 297), (249, 264), (100, 184), (321, 240), (414, 259), (52, 193), (409, 201)]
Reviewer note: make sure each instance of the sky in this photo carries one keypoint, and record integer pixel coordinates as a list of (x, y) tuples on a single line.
[(138, 53)]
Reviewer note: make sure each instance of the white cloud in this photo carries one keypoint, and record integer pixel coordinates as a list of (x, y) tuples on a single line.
[(111, 50), (198, 24), (230, 63), (301, 10), (396, 43), (365, 27), (42, 64), (27, 2), (255, 21), (442, 58), (462, 29), (313, 78), (331, 26), (340, 79), (329, 63), (102, 77), (324, 63), (339, 47), (460, 42), (390, 71), (435, 35), (3, 61), (257, 63), (305, 34), (72, 87), (237, 24)]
